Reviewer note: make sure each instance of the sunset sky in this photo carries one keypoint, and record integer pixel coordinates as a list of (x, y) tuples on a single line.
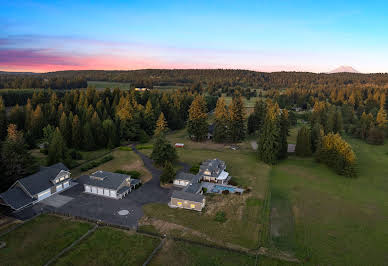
[(42, 36)]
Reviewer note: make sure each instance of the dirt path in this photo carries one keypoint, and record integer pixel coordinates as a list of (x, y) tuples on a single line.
[(254, 144)]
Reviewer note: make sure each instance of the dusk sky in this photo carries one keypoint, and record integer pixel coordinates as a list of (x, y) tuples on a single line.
[(42, 36)]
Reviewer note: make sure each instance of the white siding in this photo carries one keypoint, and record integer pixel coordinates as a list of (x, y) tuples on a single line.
[(66, 184), (44, 194), (59, 187)]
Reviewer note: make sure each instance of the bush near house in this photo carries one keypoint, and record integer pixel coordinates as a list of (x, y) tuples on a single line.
[(195, 168), (96, 163), (134, 174), (220, 217)]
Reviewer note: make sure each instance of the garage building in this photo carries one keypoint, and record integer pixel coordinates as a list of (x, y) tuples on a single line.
[(107, 184)]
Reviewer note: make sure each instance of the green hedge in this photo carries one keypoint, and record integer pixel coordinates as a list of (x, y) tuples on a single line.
[(96, 163), (125, 148), (144, 147), (134, 174)]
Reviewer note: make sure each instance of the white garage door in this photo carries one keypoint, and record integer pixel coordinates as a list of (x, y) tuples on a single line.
[(88, 189), (44, 194), (59, 187), (113, 194), (106, 192), (66, 184), (100, 191), (94, 190)]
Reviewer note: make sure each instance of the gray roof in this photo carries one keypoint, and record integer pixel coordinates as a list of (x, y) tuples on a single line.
[(185, 176), (16, 198), (194, 188), (104, 179), (41, 180), (187, 196), (215, 166)]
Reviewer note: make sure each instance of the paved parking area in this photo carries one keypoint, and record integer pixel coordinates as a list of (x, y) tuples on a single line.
[(57, 200)]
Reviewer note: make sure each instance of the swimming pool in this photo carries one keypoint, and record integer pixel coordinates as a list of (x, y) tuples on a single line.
[(218, 189)]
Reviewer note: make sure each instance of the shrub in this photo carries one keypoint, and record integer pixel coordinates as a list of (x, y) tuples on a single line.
[(125, 148), (194, 169), (44, 151), (225, 192), (253, 202), (204, 190), (232, 182), (144, 147), (75, 155), (134, 174), (220, 217), (96, 163)]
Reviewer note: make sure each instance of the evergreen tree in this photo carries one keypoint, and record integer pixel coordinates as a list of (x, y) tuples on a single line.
[(303, 142), (149, 119), (57, 151), (37, 122), (161, 125), (65, 129), (381, 119), (256, 119), (236, 119), (221, 121), (168, 174), (97, 130), (88, 138), (48, 133), (163, 151), (16, 160), (268, 144), (338, 124), (76, 133), (284, 132), (16, 116), (3, 120), (197, 124), (316, 137), (111, 134)]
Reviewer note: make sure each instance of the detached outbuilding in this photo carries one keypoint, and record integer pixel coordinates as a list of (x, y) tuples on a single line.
[(107, 184), (186, 200), (39, 186)]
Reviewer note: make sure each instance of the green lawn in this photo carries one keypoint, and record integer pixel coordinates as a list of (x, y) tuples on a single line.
[(243, 220), (328, 219), (108, 246), (40, 239), (109, 84), (123, 160), (181, 253)]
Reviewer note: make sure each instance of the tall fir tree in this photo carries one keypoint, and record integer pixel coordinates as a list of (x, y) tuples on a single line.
[(76, 133), (16, 160), (284, 132), (256, 119), (268, 144), (3, 120), (163, 151), (221, 121), (87, 137), (168, 173), (65, 129), (161, 125), (237, 119), (303, 142), (57, 151), (197, 124), (381, 119)]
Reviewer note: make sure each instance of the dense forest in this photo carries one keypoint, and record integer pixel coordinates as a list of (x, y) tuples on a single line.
[(67, 119)]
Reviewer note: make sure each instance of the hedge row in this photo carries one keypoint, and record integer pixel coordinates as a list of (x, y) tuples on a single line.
[(134, 174), (96, 163)]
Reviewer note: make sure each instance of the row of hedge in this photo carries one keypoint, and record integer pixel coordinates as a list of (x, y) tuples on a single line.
[(138, 147), (134, 174), (96, 163)]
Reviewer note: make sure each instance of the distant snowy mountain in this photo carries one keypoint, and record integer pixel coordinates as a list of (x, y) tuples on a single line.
[(342, 69)]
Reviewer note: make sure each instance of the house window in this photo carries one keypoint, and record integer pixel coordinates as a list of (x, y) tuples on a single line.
[(179, 203), (192, 206)]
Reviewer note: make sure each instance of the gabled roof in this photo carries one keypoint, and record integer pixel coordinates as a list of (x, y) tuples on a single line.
[(177, 194), (185, 176), (194, 188), (104, 179), (16, 198), (41, 180), (215, 166)]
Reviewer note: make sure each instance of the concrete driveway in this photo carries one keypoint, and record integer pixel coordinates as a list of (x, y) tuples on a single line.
[(106, 209)]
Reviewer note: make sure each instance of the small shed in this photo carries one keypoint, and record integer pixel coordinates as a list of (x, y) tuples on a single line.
[(291, 148), (179, 145)]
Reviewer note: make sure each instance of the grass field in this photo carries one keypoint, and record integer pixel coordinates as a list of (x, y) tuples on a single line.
[(123, 160), (38, 240), (108, 246), (328, 219), (243, 220), (181, 253), (108, 84)]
